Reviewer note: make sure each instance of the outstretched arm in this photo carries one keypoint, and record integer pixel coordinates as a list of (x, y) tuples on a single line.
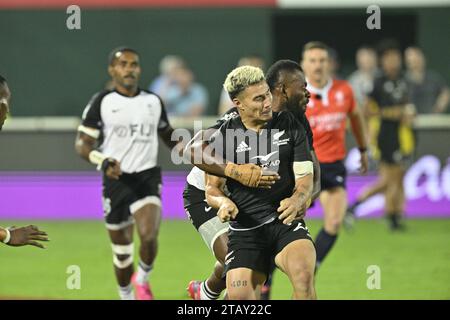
[(199, 154), (23, 236)]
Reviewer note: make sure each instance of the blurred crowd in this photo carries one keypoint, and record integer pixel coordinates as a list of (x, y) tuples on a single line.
[(428, 91)]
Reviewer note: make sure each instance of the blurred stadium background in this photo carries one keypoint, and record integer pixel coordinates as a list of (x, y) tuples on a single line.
[(53, 71)]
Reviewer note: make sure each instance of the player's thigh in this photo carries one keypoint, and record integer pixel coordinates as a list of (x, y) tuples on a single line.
[(393, 174), (146, 208), (148, 220), (214, 234), (204, 218), (244, 283), (248, 250), (297, 258), (220, 247)]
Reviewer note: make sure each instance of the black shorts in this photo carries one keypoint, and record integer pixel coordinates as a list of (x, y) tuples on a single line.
[(332, 175), (256, 248), (391, 153), (196, 207), (123, 197), (390, 145)]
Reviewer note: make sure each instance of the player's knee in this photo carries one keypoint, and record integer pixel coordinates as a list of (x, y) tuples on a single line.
[(123, 255), (302, 280), (218, 270), (149, 237), (300, 270), (333, 225)]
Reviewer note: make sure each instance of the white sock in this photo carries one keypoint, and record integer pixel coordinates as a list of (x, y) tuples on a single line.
[(206, 293), (143, 272), (126, 293)]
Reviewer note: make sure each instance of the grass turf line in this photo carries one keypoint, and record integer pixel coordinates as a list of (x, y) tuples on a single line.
[(414, 264)]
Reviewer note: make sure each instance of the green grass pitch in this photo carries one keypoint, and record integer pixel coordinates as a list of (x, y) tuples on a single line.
[(414, 264)]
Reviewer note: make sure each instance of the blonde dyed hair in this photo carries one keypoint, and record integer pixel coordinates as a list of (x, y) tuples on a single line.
[(241, 78)]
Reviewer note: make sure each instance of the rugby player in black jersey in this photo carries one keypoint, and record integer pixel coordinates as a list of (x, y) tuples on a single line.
[(288, 87), (266, 225)]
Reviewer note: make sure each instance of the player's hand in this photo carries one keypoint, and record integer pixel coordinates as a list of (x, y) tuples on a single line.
[(227, 211), (111, 167), (292, 208), (302, 213), (29, 235), (251, 175), (364, 162)]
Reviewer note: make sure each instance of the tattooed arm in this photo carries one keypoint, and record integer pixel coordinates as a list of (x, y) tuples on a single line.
[(295, 206)]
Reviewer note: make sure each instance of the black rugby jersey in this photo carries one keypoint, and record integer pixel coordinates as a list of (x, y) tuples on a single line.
[(301, 117), (390, 92), (275, 148)]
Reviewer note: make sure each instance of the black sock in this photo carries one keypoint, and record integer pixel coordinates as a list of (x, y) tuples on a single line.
[(324, 242), (394, 218), (268, 282)]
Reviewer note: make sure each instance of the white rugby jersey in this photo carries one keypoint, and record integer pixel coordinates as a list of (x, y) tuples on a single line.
[(196, 178), (127, 127)]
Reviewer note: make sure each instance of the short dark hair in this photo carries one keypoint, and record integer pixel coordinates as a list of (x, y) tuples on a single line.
[(2, 80), (388, 45), (112, 55), (315, 45), (275, 70)]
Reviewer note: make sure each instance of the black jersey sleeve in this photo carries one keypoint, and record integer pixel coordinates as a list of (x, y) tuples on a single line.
[(163, 123), (309, 134), (302, 150), (92, 113), (217, 140)]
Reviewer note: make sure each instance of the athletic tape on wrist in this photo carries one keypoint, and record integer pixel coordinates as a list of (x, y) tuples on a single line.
[(8, 236), (97, 158)]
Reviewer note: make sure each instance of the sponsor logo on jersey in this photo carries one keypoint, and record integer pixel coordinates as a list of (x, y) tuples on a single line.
[(242, 147), (278, 141)]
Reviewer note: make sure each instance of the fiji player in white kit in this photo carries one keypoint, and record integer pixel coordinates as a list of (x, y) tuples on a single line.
[(126, 123)]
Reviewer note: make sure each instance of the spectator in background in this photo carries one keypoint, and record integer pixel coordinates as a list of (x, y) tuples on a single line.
[(334, 64), (253, 60), (168, 68), (428, 91), (185, 98), (396, 143), (363, 77)]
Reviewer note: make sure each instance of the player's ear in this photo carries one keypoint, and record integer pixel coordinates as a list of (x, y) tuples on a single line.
[(237, 103), (284, 91)]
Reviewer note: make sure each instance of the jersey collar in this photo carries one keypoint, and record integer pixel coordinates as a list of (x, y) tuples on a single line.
[(323, 92), (137, 93)]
